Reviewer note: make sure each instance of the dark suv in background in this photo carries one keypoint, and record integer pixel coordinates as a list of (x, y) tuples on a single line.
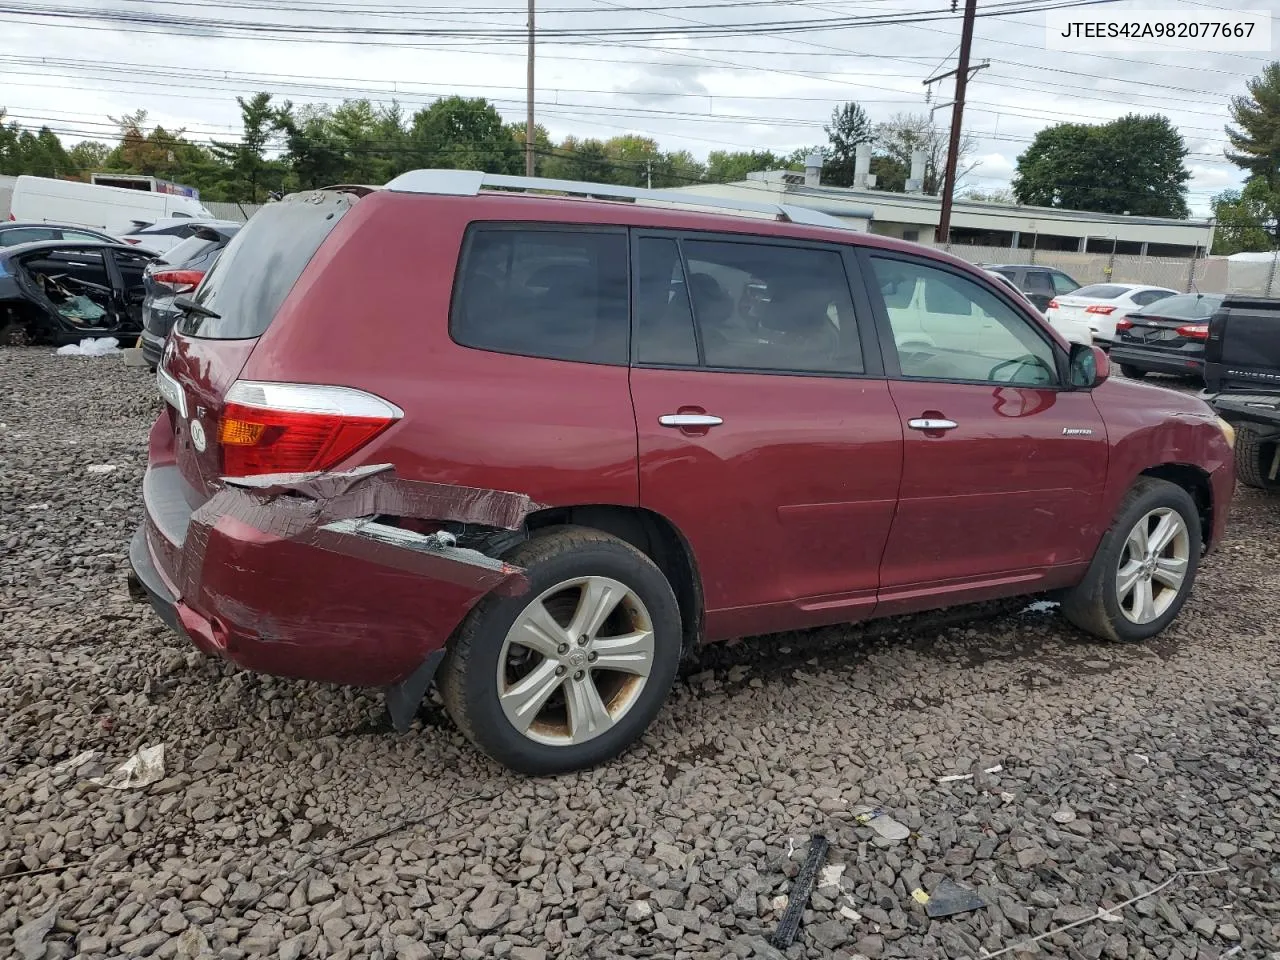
[(176, 274), (1039, 284)]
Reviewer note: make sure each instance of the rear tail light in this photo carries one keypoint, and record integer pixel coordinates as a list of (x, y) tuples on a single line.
[(1124, 325), (296, 428), (1053, 305), (1099, 308), (1194, 331), (182, 281), (134, 240)]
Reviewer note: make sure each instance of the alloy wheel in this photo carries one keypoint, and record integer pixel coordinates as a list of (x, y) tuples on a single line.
[(575, 660), (1153, 565)]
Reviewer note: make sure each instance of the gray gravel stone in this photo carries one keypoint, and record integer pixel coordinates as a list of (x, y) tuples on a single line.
[(760, 746)]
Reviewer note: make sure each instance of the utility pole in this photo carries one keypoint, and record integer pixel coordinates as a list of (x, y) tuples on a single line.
[(528, 123), (957, 117), (648, 174)]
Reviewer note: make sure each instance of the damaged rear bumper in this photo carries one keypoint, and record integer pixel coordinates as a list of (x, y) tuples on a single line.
[(293, 575)]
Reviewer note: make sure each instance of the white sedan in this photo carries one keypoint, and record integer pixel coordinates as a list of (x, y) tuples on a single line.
[(1100, 305)]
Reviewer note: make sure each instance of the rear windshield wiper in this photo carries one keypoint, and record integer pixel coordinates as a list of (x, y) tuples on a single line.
[(187, 305)]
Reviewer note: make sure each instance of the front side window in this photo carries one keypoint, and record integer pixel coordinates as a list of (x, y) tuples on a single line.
[(949, 327), (541, 292), (765, 306)]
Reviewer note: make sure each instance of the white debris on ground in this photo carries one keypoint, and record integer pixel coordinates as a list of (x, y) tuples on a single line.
[(251, 845)]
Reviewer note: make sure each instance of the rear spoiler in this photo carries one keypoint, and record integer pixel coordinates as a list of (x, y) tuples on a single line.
[(359, 189)]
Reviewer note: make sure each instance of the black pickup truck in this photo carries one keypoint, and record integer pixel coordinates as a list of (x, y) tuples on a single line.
[(1242, 380)]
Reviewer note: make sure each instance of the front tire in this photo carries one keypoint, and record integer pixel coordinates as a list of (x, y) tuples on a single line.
[(1254, 459), (571, 672), (1144, 568), (1132, 372)]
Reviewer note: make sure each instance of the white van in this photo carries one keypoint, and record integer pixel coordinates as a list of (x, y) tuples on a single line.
[(113, 210)]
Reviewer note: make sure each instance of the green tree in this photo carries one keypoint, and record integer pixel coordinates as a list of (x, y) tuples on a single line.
[(725, 166), (849, 128), (1244, 218), (249, 173), (1135, 165), (89, 156), (1255, 148), (463, 133), (542, 146), (1255, 138)]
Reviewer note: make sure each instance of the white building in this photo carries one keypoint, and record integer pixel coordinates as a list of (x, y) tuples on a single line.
[(914, 216)]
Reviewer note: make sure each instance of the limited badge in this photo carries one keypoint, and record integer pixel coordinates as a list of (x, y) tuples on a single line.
[(197, 436)]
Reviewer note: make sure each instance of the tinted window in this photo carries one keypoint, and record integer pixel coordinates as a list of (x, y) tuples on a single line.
[(948, 327), (1148, 297), (1037, 281), (771, 307), (1101, 291), (1187, 306), (10, 238), (1062, 283), (259, 267), (191, 249), (78, 236), (664, 321), (559, 294)]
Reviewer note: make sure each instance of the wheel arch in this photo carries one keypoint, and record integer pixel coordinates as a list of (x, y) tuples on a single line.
[(653, 535), (1195, 481)]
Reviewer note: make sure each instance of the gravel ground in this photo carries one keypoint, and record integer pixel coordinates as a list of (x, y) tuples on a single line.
[(1122, 767)]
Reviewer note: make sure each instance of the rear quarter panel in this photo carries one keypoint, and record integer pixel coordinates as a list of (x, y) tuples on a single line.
[(1150, 426), (371, 311)]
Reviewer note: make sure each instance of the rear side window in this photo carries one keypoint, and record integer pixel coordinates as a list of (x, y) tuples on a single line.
[(1062, 283), (535, 291), (250, 280), (1037, 281)]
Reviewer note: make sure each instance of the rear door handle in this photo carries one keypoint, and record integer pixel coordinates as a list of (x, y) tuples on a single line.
[(927, 423), (689, 420)]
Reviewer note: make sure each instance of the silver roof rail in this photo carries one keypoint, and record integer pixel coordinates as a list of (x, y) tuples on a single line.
[(469, 183)]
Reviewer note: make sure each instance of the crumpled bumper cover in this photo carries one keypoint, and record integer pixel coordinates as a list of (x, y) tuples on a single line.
[(292, 574)]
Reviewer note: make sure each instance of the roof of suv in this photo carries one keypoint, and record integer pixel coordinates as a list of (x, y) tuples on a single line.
[(611, 205)]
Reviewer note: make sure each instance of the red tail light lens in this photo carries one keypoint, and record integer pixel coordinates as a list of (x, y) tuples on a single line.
[(1194, 331), (296, 428), (134, 240), (1124, 325), (182, 281), (1099, 308), (1053, 305)]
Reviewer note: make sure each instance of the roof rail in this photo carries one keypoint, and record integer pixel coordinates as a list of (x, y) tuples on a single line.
[(469, 183)]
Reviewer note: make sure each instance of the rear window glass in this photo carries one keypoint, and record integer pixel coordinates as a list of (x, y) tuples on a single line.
[(542, 292), (1187, 306), (190, 249), (1101, 291), (253, 275)]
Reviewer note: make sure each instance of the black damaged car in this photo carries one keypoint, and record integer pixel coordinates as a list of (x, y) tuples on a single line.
[(61, 292)]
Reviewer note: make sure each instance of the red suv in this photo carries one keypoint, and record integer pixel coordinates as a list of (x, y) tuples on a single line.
[(536, 448)]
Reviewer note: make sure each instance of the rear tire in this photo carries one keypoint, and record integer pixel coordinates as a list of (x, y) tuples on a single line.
[(1254, 457), (1132, 372), (524, 679), (1128, 593)]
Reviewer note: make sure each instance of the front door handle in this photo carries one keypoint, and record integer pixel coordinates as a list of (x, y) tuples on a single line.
[(929, 423), (689, 420)]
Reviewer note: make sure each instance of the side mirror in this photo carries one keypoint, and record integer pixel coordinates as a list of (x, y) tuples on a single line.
[(1088, 366)]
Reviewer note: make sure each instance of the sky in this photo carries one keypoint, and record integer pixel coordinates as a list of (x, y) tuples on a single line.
[(768, 78)]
